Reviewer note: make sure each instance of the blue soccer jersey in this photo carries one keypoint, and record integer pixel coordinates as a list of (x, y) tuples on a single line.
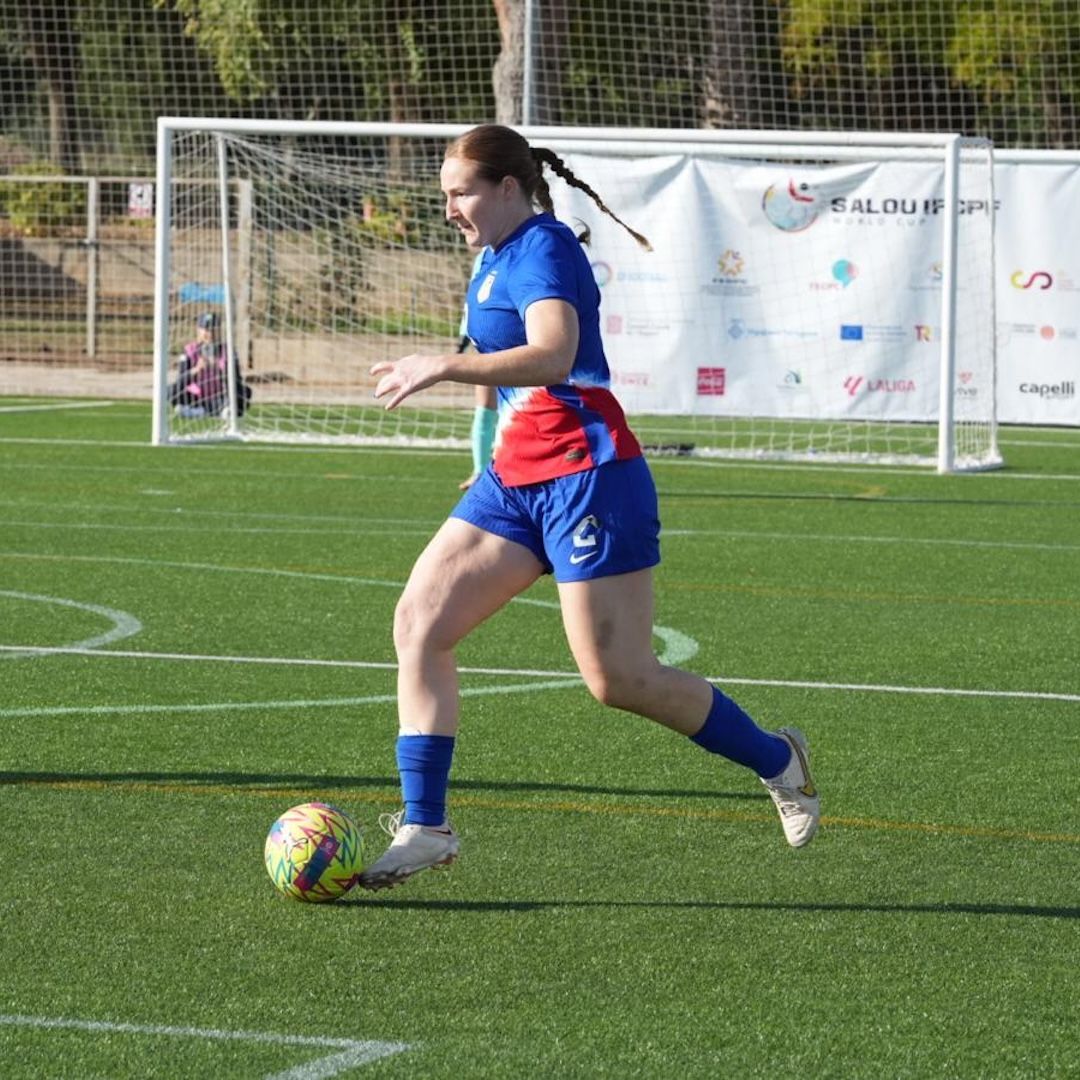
[(547, 431)]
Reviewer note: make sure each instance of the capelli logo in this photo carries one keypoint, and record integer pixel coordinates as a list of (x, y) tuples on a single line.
[(1062, 391), (1038, 279)]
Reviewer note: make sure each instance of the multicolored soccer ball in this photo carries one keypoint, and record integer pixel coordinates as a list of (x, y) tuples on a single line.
[(314, 852)]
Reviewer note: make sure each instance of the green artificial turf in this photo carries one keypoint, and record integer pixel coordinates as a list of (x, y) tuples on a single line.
[(624, 904)]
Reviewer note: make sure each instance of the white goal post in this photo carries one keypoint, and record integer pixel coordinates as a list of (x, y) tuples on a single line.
[(810, 296)]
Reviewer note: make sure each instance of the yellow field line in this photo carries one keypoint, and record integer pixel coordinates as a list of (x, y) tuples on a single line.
[(386, 797)]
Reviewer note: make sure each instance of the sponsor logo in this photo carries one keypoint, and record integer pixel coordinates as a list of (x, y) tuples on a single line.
[(855, 384), (631, 378), (929, 280), (901, 206), (965, 390), (651, 276), (604, 273), (924, 332), (730, 264), (730, 280), (1038, 279), (613, 324), (872, 332), (1063, 391), (1007, 331), (711, 381), (739, 329), (791, 205), (792, 381), (844, 271)]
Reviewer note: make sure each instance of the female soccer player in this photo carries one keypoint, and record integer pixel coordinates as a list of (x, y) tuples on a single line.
[(567, 493)]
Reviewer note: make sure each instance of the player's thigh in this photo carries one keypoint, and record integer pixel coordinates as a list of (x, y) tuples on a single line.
[(608, 623), (464, 575)]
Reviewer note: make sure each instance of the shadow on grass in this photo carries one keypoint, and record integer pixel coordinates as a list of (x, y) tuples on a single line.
[(311, 782), (1016, 910)]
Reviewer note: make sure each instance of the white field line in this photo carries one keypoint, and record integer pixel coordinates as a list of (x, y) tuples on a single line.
[(358, 529), (124, 625), (349, 1052), (553, 679), (749, 534), (662, 462), (379, 528), (55, 407), (678, 647)]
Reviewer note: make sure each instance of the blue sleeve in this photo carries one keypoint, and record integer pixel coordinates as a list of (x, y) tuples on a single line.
[(546, 271)]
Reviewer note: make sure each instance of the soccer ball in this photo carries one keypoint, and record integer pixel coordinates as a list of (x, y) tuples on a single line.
[(314, 852)]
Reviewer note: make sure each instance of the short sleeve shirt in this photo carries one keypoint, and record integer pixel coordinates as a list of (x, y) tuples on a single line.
[(547, 431)]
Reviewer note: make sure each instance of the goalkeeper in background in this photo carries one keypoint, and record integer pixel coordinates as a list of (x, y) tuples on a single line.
[(485, 414), (568, 493)]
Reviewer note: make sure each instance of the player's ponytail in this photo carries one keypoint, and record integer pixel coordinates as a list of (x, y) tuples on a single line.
[(499, 151), (544, 156)]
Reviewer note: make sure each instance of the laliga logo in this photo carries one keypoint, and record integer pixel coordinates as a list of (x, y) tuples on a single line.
[(1041, 277), (791, 207)]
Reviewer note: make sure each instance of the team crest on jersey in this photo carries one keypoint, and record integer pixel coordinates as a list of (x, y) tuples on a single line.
[(485, 287)]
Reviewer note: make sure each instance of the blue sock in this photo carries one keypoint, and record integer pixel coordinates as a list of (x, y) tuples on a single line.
[(424, 764), (730, 732)]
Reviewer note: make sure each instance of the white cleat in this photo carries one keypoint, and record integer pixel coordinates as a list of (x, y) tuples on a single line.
[(794, 792), (413, 848)]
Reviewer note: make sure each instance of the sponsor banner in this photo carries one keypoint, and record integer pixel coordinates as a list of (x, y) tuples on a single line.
[(816, 291), (1037, 280)]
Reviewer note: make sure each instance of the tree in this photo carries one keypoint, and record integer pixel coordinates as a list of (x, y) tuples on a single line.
[(48, 33), (743, 82), (1000, 68), (508, 72), (1016, 56)]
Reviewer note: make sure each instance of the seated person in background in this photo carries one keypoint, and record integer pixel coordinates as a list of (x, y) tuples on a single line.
[(202, 384)]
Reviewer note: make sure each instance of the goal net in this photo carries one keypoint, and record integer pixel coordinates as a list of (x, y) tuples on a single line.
[(809, 296)]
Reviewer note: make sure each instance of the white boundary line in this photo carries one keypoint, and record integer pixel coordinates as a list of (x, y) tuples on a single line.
[(677, 462), (351, 1052), (560, 678), (388, 527), (55, 407)]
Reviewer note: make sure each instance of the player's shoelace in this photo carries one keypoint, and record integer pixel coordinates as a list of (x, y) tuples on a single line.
[(391, 823)]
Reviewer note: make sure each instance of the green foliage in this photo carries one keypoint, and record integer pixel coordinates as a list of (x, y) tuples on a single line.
[(1003, 68), (37, 207)]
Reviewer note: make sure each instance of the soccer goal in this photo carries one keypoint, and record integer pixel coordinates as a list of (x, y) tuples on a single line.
[(810, 296)]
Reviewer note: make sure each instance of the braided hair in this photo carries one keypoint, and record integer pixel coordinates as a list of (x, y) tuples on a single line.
[(499, 151)]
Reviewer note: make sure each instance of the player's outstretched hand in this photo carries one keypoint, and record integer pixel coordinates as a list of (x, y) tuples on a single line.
[(400, 378)]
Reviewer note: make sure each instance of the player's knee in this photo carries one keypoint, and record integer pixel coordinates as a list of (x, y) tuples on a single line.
[(418, 627), (618, 687), (412, 625)]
